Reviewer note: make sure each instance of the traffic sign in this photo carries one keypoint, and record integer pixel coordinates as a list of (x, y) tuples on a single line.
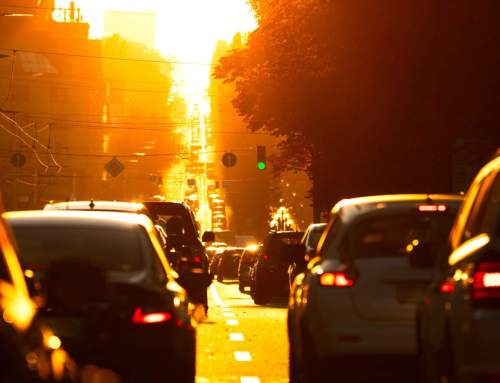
[(229, 160), (18, 159), (114, 167)]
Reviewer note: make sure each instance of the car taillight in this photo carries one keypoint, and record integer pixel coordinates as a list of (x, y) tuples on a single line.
[(432, 208), (197, 259), (486, 281), (141, 317), (447, 287), (265, 257), (335, 279)]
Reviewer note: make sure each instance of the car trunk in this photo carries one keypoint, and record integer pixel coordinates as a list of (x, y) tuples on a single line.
[(387, 289)]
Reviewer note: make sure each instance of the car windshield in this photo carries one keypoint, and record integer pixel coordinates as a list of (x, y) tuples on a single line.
[(399, 235), (110, 248)]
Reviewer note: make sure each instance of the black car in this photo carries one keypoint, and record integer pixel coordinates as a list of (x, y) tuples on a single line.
[(269, 276), (30, 351), (247, 260), (229, 261), (109, 291), (185, 252)]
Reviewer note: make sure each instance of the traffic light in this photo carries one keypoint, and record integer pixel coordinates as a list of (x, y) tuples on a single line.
[(261, 157)]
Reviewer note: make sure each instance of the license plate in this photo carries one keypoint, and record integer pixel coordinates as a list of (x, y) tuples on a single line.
[(66, 327)]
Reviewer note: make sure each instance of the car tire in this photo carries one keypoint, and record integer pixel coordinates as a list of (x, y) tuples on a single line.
[(220, 277), (261, 297), (241, 287)]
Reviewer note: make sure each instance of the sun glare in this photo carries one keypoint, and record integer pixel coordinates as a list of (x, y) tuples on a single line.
[(184, 30)]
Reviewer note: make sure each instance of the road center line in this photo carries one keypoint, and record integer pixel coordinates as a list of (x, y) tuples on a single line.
[(249, 379), (242, 356), (236, 337), (216, 296), (228, 315), (232, 322)]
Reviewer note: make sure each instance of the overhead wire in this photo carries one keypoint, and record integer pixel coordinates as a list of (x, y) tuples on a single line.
[(86, 56), (37, 157)]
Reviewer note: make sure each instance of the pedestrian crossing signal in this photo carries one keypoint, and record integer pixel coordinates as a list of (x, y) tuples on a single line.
[(261, 157)]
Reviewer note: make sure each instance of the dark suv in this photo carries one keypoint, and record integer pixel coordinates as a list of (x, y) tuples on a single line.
[(269, 276), (184, 249)]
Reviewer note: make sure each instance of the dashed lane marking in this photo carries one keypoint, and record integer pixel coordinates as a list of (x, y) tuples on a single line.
[(226, 309), (228, 314), (236, 337), (216, 296), (242, 356), (249, 379), (232, 322)]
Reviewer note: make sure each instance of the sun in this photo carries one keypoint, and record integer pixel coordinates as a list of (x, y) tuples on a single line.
[(186, 31)]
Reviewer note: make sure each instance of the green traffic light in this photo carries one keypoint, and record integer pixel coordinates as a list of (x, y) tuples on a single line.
[(261, 165)]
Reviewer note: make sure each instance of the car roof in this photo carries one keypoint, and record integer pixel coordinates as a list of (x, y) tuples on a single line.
[(353, 207), (91, 205), (97, 219)]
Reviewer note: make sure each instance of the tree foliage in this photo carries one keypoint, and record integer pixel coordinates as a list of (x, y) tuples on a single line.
[(370, 95)]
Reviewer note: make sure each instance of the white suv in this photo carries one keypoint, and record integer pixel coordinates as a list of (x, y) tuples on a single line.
[(357, 298)]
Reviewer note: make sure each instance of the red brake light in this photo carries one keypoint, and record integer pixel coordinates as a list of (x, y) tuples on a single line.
[(197, 259), (433, 208), (447, 287), (335, 279), (265, 257), (140, 317), (486, 283)]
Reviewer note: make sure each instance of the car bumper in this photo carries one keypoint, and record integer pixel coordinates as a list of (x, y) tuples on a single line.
[(365, 339)]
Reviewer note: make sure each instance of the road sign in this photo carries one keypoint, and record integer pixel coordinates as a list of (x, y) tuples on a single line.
[(114, 167), (229, 160), (18, 160)]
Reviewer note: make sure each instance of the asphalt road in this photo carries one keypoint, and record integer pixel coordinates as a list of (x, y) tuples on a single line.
[(240, 341)]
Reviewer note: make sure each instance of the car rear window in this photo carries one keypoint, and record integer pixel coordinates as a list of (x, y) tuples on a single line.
[(112, 249), (275, 243), (399, 235)]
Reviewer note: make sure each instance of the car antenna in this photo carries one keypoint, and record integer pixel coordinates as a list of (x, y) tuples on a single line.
[(92, 204)]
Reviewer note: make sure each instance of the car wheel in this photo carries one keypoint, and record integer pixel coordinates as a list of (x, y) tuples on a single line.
[(241, 287), (261, 297), (220, 277)]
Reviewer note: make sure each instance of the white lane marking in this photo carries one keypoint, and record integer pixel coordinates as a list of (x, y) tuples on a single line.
[(236, 337), (249, 379), (226, 309), (216, 296), (228, 314), (242, 356), (232, 322)]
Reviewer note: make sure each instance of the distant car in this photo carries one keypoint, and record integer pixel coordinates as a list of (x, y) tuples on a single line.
[(229, 261), (310, 241), (269, 275), (355, 304), (458, 319), (30, 350), (215, 248), (247, 261), (110, 291)]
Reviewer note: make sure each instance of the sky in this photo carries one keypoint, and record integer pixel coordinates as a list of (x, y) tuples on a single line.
[(186, 30)]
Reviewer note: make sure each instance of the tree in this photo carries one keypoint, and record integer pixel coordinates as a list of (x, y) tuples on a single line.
[(370, 95)]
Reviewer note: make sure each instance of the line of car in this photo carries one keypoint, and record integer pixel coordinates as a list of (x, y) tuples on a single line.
[(402, 284), (92, 289)]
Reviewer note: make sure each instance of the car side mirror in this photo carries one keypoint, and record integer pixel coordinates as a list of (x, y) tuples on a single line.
[(208, 236), (293, 253)]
